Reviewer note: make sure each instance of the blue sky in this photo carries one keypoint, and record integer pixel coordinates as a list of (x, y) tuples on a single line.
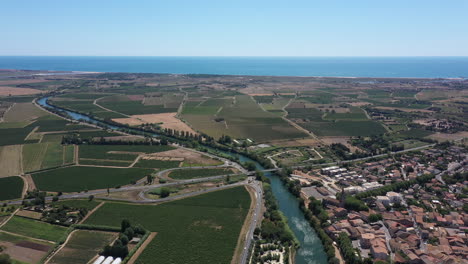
[(234, 28)]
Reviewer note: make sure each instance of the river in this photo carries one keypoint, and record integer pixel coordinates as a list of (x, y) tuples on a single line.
[(311, 250)]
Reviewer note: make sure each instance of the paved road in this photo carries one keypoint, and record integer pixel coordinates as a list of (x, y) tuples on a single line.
[(355, 160), (130, 188), (256, 218)]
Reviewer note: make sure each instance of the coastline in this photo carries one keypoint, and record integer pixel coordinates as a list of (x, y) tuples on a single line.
[(59, 72)]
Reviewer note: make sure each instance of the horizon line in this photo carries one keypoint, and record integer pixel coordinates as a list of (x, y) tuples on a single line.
[(250, 56)]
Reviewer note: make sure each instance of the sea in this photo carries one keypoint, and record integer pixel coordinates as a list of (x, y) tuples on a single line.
[(395, 67)]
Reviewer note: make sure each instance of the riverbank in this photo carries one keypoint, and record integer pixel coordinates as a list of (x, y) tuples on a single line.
[(311, 248)]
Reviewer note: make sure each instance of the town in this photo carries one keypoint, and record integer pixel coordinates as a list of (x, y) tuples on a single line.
[(408, 208)]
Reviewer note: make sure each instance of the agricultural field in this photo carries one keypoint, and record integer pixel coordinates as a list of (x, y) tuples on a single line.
[(12, 136), (200, 229), (53, 156), (80, 178), (242, 118), (10, 160), (82, 246), (344, 128), (127, 106), (197, 173), (89, 205), (46, 155), (354, 114), (33, 154), (11, 188), (23, 112), (34, 229), (24, 250), (157, 164), (118, 152)]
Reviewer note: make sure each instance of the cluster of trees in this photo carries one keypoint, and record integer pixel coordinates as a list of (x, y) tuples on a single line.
[(352, 203), (38, 198), (7, 209), (5, 258), (274, 226), (314, 215), (225, 139), (318, 210), (344, 153), (375, 217), (127, 232), (59, 214), (375, 144), (349, 253), (395, 187), (456, 177)]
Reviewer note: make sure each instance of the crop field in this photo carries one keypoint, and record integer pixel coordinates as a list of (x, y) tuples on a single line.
[(311, 114), (82, 246), (11, 188), (10, 160), (23, 250), (23, 112), (414, 133), (53, 156), (10, 136), (118, 152), (87, 107), (345, 128), (405, 103), (79, 178), (318, 97), (98, 162), (136, 108), (244, 119), (51, 138), (35, 229), (200, 229), (33, 154), (197, 173), (19, 124), (53, 123), (83, 96), (404, 93), (80, 203), (355, 114), (69, 154), (157, 164), (276, 104)]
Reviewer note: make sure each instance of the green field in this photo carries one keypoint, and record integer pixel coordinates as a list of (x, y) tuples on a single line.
[(52, 138), (69, 153), (244, 119), (11, 188), (309, 114), (414, 133), (78, 178), (345, 128), (157, 164), (197, 173), (35, 229), (33, 154), (355, 114), (89, 205), (102, 151), (136, 107), (13, 136), (53, 156), (318, 97), (82, 246), (117, 163), (201, 229)]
